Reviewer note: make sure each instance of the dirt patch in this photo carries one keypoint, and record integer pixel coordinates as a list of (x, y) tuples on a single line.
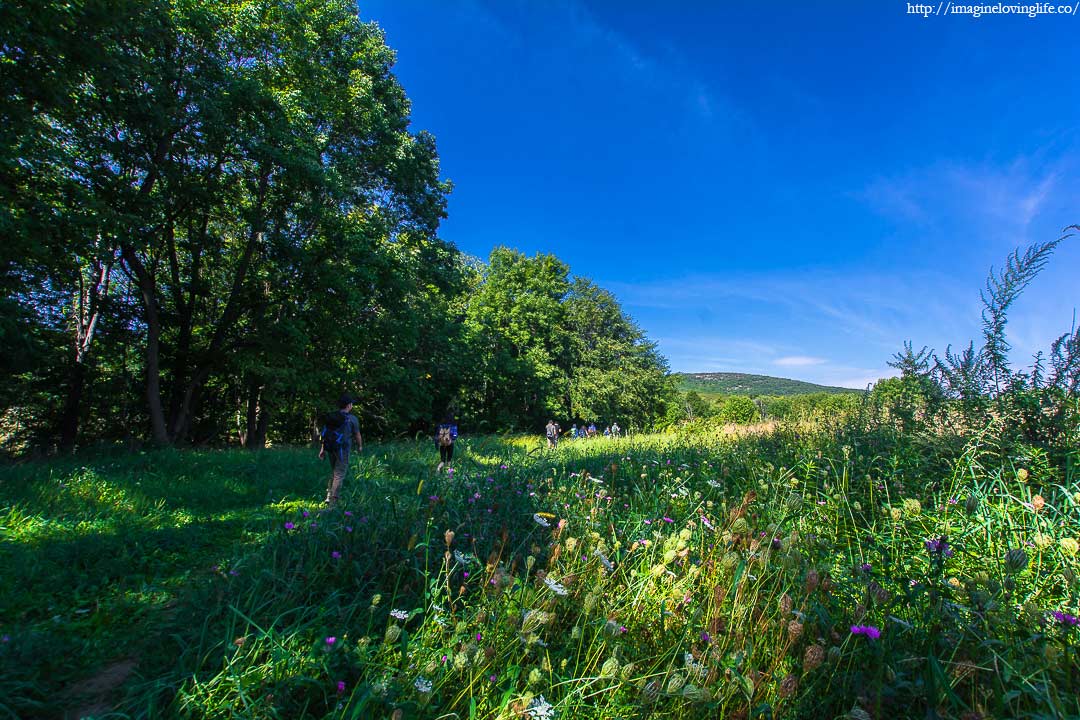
[(91, 696)]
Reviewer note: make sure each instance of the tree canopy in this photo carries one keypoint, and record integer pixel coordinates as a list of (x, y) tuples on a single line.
[(218, 218)]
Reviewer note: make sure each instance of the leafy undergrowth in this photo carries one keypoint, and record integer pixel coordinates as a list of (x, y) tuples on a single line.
[(781, 575)]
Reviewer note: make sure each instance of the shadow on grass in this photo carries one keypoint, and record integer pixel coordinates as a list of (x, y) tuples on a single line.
[(98, 591)]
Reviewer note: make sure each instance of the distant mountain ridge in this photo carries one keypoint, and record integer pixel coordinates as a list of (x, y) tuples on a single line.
[(726, 383)]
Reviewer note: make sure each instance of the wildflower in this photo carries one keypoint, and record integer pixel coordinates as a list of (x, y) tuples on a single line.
[(330, 640), (535, 677), (289, 526), (865, 567), (423, 685), (340, 687), (603, 559), (399, 614), (813, 657), (540, 521), (1069, 546), (869, 631), (348, 528), (713, 483), (1022, 474), (667, 519), (305, 513), (540, 709), (696, 669), (336, 555), (1016, 560), (348, 513), (555, 587), (939, 546), (1038, 503), (1065, 619), (675, 683)]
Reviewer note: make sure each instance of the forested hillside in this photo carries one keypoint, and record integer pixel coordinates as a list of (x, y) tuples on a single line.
[(217, 217), (724, 383)]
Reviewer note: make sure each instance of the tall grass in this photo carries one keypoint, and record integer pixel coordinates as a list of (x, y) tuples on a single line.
[(792, 574)]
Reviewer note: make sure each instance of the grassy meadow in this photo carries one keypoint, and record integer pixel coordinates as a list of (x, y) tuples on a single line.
[(792, 573)]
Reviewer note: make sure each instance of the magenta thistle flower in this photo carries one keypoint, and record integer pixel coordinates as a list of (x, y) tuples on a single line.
[(305, 513), (330, 640), (289, 526), (340, 687), (871, 632), (1065, 619)]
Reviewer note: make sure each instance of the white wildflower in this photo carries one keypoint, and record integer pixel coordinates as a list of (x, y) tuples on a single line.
[(423, 685), (540, 709), (555, 587), (399, 614)]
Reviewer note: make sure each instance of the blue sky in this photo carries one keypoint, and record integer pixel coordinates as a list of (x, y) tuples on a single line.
[(786, 188)]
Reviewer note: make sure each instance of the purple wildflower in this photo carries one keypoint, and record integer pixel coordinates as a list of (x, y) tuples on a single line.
[(348, 513), (305, 513), (330, 640), (1065, 619), (705, 637), (289, 526), (336, 555), (340, 687), (869, 631), (939, 546)]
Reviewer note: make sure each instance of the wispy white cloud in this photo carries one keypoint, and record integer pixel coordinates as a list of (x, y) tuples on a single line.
[(798, 361), (995, 202)]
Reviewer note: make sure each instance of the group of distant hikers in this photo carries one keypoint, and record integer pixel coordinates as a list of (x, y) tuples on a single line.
[(341, 430), (552, 431)]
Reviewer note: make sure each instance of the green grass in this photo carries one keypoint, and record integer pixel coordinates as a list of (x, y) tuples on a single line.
[(659, 576)]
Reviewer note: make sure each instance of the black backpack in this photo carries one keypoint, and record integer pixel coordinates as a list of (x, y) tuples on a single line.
[(335, 430)]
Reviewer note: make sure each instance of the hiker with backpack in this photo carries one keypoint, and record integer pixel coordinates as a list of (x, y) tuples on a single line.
[(445, 435), (340, 429)]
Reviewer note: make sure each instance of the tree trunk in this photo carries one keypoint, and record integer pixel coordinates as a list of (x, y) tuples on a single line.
[(148, 291), (251, 423), (86, 312), (259, 441), (69, 420)]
